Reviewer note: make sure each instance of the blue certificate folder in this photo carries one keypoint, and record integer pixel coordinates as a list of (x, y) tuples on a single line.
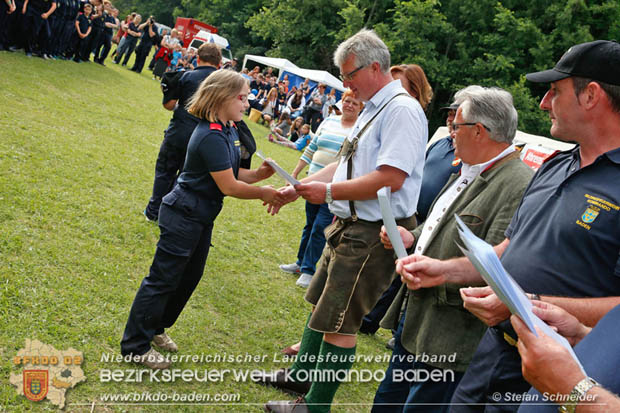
[(483, 257)]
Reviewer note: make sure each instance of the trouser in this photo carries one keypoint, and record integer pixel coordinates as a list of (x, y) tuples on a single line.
[(313, 118), (399, 393), (101, 53), (152, 63), (4, 24), (493, 378), (57, 27), (186, 224), (38, 31), (95, 41), (142, 51), (168, 166), (312, 242), (371, 321), (126, 48), (67, 43), (80, 48), (17, 33)]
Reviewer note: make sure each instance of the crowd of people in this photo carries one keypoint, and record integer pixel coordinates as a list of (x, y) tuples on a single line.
[(87, 31)]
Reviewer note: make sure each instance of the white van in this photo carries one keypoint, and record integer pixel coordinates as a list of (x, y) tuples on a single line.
[(204, 36)]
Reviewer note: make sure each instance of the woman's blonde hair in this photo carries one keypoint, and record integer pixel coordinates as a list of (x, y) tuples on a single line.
[(272, 92), (213, 92)]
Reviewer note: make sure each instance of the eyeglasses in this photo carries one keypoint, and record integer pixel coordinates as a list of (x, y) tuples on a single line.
[(455, 126), (243, 98), (349, 76)]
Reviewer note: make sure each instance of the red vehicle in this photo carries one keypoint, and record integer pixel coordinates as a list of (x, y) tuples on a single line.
[(190, 27)]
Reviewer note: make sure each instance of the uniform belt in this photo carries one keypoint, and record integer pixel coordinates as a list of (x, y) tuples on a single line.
[(504, 329)]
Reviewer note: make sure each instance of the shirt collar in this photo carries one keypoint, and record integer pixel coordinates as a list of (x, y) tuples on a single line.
[(386, 92), (477, 169), (613, 155)]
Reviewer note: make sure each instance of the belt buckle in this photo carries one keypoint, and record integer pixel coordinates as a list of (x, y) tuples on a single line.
[(510, 340)]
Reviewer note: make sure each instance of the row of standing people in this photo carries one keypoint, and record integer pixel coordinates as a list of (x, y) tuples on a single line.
[(58, 29)]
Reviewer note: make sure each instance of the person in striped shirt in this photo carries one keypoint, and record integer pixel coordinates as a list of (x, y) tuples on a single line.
[(321, 151)]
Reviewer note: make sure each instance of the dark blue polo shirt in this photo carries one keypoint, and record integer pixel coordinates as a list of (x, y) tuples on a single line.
[(565, 235), (437, 169), (213, 147), (182, 123), (84, 23)]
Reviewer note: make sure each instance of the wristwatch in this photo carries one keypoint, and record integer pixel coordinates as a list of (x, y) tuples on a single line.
[(577, 395), (328, 194)]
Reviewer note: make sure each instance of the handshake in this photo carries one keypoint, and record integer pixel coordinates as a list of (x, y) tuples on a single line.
[(313, 192)]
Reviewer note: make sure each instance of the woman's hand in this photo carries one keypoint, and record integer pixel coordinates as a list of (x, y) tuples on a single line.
[(271, 196), (264, 171)]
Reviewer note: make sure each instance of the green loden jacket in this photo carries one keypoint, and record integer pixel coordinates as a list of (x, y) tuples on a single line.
[(436, 324)]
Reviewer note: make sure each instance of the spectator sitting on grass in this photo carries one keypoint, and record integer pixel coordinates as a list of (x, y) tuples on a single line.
[(296, 103), (283, 127), (292, 135), (270, 107), (300, 144)]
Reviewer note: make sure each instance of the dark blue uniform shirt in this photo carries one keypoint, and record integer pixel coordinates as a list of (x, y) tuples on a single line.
[(437, 169), (182, 123), (213, 147), (565, 235), (84, 23)]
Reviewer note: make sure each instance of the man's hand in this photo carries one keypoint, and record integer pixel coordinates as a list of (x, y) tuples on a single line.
[(546, 365), (484, 304), (44, 16), (561, 320), (405, 235), (11, 8), (418, 271), (287, 195), (313, 192)]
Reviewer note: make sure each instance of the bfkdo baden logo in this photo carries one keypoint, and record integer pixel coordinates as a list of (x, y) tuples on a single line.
[(35, 384), (46, 373)]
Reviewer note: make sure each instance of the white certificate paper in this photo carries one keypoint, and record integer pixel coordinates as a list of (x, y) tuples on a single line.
[(383, 195), (278, 169)]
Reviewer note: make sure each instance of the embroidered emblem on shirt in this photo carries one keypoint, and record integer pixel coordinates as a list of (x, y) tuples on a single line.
[(590, 214)]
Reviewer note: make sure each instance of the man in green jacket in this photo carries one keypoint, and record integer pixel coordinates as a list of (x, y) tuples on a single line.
[(435, 336)]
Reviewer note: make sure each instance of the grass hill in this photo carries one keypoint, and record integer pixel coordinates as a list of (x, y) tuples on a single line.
[(78, 144)]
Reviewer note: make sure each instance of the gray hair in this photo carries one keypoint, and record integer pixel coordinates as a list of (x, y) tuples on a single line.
[(491, 106), (367, 48)]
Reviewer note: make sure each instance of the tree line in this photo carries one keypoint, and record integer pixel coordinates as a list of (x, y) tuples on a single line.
[(457, 42)]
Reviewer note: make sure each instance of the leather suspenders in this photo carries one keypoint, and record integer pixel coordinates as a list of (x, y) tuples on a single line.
[(349, 148)]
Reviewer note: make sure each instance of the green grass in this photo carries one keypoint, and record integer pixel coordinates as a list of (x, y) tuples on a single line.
[(78, 144)]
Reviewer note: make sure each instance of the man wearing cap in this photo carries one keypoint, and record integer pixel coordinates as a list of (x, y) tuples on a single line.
[(433, 329), (563, 241)]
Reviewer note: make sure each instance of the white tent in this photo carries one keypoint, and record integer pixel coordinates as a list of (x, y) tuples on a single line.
[(284, 65), (319, 76), (275, 62)]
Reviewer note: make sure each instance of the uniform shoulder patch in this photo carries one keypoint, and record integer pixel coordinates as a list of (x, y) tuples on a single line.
[(215, 126)]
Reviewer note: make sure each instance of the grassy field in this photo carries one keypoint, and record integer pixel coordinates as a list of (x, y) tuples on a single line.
[(78, 144)]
